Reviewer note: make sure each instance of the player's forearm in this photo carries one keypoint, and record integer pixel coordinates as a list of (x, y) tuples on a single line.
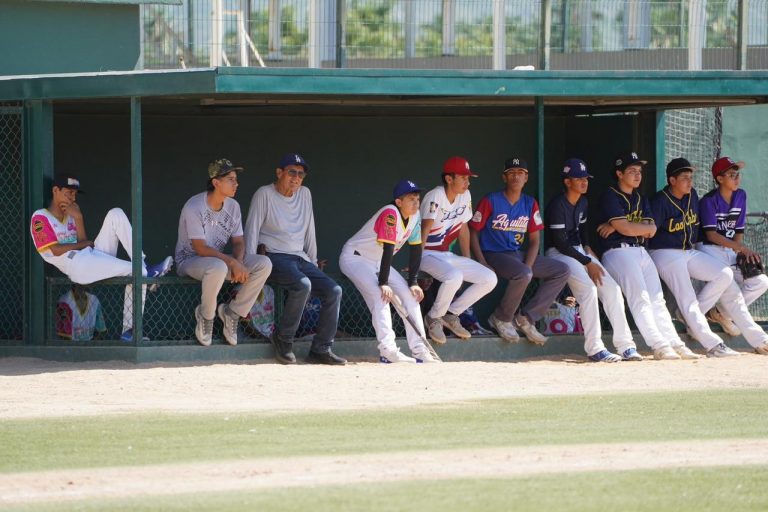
[(464, 241), (474, 242), (59, 249), (238, 250), (388, 251), (205, 251), (627, 228), (718, 239), (426, 225), (414, 263)]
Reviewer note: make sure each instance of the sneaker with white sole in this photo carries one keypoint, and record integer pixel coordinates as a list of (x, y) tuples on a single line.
[(721, 350), (230, 319), (605, 356), (424, 356), (204, 328), (453, 324), (506, 330), (715, 316), (434, 329), (665, 353), (529, 330), (686, 353), (762, 349), (394, 356), (160, 269), (631, 354), (127, 336)]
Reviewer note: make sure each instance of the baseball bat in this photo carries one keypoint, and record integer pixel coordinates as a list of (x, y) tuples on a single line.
[(398, 304)]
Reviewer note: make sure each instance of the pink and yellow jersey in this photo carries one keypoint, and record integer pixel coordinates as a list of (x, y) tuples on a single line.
[(385, 227), (47, 230), (448, 217)]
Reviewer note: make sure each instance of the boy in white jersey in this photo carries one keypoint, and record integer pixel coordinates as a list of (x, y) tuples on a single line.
[(445, 211), (367, 260), (60, 238)]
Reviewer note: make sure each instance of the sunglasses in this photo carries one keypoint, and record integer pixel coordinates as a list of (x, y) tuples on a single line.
[(295, 173)]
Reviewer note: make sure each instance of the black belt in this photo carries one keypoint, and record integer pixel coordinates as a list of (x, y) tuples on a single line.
[(623, 245)]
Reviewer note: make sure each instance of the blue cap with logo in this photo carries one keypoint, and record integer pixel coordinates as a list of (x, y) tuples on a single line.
[(575, 168), (405, 187), (293, 159)]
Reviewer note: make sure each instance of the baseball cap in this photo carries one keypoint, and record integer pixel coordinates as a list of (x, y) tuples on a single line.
[(457, 165), (64, 180), (405, 187), (624, 160), (221, 167), (575, 168), (515, 163), (679, 165), (723, 164), (293, 159)]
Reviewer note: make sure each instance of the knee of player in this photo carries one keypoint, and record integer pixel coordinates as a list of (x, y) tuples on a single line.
[(453, 278), (525, 275), (303, 285), (117, 213), (491, 278), (562, 271), (217, 267), (726, 273), (262, 265)]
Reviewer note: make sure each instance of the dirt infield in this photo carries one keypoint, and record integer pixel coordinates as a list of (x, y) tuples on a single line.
[(35, 388)]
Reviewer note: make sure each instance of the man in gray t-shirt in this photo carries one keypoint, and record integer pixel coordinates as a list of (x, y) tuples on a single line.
[(281, 219), (208, 221)]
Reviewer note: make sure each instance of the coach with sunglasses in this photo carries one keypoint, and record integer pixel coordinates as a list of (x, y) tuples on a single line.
[(281, 219)]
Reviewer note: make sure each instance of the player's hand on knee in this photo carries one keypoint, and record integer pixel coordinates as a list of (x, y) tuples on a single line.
[(386, 293), (238, 272), (751, 255), (605, 230), (417, 293), (595, 273)]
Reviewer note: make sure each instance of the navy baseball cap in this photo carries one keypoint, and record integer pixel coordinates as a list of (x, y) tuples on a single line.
[(624, 160), (679, 165), (515, 163), (64, 180), (293, 159), (575, 168), (405, 187)]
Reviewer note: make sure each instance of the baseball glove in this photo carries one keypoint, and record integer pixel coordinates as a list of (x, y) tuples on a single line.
[(748, 269)]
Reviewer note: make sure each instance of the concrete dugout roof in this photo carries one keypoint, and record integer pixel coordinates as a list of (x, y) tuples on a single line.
[(590, 90)]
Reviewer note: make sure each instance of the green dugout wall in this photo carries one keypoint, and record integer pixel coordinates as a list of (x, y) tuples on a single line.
[(141, 140)]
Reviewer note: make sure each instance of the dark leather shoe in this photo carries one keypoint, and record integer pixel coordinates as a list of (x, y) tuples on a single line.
[(283, 349), (325, 358)]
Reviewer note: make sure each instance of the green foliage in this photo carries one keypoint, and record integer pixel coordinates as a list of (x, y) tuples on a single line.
[(371, 30)]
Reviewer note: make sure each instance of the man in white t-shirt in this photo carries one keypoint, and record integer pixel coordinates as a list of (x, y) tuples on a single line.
[(208, 221), (445, 211)]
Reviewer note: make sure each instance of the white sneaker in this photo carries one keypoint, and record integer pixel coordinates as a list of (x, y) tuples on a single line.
[(453, 324), (666, 353), (715, 316), (529, 330), (204, 328), (721, 350), (434, 329), (230, 321), (685, 353), (394, 356), (424, 356), (506, 330), (762, 349)]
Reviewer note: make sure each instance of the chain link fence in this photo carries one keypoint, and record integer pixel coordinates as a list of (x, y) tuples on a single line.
[(12, 213), (756, 237)]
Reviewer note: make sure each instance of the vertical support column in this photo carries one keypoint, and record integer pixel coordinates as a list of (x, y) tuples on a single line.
[(275, 31), (314, 34), (136, 220), (637, 24), (410, 30), (499, 37), (545, 33), (449, 27), (661, 156), (217, 33), (242, 40), (741, 41), (540, 159), (37, 141), (341, 26), (697, 32), (565, 17)]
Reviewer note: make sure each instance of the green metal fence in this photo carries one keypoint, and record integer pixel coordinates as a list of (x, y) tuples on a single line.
[(14, 234), (756, 237)]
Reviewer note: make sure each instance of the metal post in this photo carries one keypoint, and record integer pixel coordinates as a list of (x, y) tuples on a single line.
[(341, 18), (136, 216), (540, 157), (697, 17), (661, 157), (499, 43), (275, 31), (449, 27), (217, 34), (410, 30), (545, 34), (314, 34), (741, 56), (242, 40), (566, 21)]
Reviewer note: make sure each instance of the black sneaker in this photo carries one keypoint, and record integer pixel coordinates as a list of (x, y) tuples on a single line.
[(325, 358), (283, 349)]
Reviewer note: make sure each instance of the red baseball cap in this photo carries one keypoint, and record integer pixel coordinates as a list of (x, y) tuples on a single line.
[(458, 165), (723, 164)]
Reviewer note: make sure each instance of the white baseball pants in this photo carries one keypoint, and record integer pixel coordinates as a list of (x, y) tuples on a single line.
[(676, 267), (587, 294), (363, 273), (752, 288), (633, 269), (100, 262), (452, 270)]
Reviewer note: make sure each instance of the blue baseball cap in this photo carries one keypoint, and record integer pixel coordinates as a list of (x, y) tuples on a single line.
[(293, 159), (575, 168), (404, 187)]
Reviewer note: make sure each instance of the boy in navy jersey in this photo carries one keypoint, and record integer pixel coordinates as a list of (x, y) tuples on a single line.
[(498, 230)]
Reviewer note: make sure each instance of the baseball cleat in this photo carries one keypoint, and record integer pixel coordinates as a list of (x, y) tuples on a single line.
[(160, 269), (506, 330), (394, 356), (127, 336), (716, 317), (435, 330), (721, 350), (230, 321), (529, 330), (453, 324), (631, 354), (424, 356), (685, 353), (204, 328), (762, 349), (665, 353), (605, 357)]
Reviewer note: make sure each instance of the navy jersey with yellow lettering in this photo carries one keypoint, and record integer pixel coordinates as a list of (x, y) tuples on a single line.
[(615, 204), (677, 220)]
